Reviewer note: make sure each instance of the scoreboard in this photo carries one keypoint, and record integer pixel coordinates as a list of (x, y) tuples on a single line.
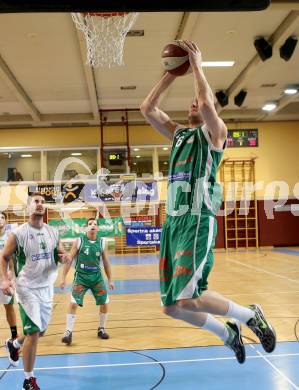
[(116, 158), (242, 138)]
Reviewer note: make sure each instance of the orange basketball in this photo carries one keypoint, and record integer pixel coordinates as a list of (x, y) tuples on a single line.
[(175, 59)]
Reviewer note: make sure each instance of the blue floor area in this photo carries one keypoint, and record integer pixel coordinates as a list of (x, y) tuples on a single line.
[(125, 286), (135, 259), (206, 368), (287, 251), (128, 286)]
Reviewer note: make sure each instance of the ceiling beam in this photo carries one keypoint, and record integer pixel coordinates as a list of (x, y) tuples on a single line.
[(283, 31), (135, 117), (89, 76), (16, 88)]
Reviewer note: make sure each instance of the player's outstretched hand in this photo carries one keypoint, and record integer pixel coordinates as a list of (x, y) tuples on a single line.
[(195, 57), (111, 285)]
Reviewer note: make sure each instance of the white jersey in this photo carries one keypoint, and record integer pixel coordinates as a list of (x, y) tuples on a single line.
[(3, 238), (36, 255)]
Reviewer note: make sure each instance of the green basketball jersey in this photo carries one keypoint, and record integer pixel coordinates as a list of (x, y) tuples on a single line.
[(192, 185), (89, 257)]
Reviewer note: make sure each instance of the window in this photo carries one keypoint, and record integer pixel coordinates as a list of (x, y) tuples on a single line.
[(81, 162), (142, 162), (19, 166), (164, 154)]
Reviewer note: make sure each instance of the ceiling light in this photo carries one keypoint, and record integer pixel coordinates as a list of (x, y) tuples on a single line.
[(136, 149), (138, 156), (165, 148), (269, 106), (217, 64), (76, 154), (26, 155), (291, 91), (134, 163), (165, 163)]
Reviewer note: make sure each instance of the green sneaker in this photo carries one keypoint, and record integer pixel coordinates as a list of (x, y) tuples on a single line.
[(262, 329), (234, 341)]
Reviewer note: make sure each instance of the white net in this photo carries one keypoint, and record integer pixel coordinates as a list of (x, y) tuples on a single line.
[(105, 36)]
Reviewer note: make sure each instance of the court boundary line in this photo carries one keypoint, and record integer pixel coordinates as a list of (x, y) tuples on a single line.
[(263, 270), (200, 360), (149, 349), (275, 368)]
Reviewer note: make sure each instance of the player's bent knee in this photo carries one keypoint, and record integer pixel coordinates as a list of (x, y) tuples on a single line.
[(191, 304)]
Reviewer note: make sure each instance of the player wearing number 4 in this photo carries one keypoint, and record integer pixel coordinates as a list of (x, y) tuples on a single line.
[(188, 237), (90, 251)]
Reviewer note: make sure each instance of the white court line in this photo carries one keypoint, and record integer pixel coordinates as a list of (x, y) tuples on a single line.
[(158, 299), (263, 270), (260, 356), (275, 368), (119, 300)]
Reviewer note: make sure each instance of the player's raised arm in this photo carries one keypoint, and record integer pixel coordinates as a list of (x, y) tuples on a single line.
[(205, 97), (154, 115)]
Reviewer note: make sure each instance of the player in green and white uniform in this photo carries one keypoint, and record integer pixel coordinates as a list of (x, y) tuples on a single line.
[(188, 237), (90, 253), (36, 247), (7, 300)]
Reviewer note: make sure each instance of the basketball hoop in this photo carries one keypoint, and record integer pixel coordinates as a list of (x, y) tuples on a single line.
[(105, 35)]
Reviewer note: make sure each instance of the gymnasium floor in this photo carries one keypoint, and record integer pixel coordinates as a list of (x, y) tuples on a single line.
[(147, 350)]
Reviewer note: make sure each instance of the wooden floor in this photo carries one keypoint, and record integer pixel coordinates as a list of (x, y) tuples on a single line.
[(136, 321)]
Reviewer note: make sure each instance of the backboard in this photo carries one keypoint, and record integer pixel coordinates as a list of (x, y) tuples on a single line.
[(8, 6)]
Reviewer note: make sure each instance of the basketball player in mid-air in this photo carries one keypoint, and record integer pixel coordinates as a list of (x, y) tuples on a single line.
[(37, 252), (90, 253), (188, 236), (7, 300)]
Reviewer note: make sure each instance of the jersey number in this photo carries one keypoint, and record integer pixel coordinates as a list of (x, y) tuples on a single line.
[(179, 141), (86, 251)]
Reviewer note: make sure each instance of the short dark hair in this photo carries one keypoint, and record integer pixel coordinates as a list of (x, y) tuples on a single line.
[(92, 219), (3, 213)]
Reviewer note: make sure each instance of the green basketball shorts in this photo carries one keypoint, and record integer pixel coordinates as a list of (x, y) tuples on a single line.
[(186, 256), (93, 282)]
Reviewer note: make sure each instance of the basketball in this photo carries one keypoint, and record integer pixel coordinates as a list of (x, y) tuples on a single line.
[(175, 59)]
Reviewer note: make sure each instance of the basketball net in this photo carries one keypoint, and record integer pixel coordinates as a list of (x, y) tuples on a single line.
[(105, 35)]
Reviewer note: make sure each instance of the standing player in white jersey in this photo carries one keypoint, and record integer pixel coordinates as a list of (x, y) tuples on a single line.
[(36, 248), (6, 300)]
